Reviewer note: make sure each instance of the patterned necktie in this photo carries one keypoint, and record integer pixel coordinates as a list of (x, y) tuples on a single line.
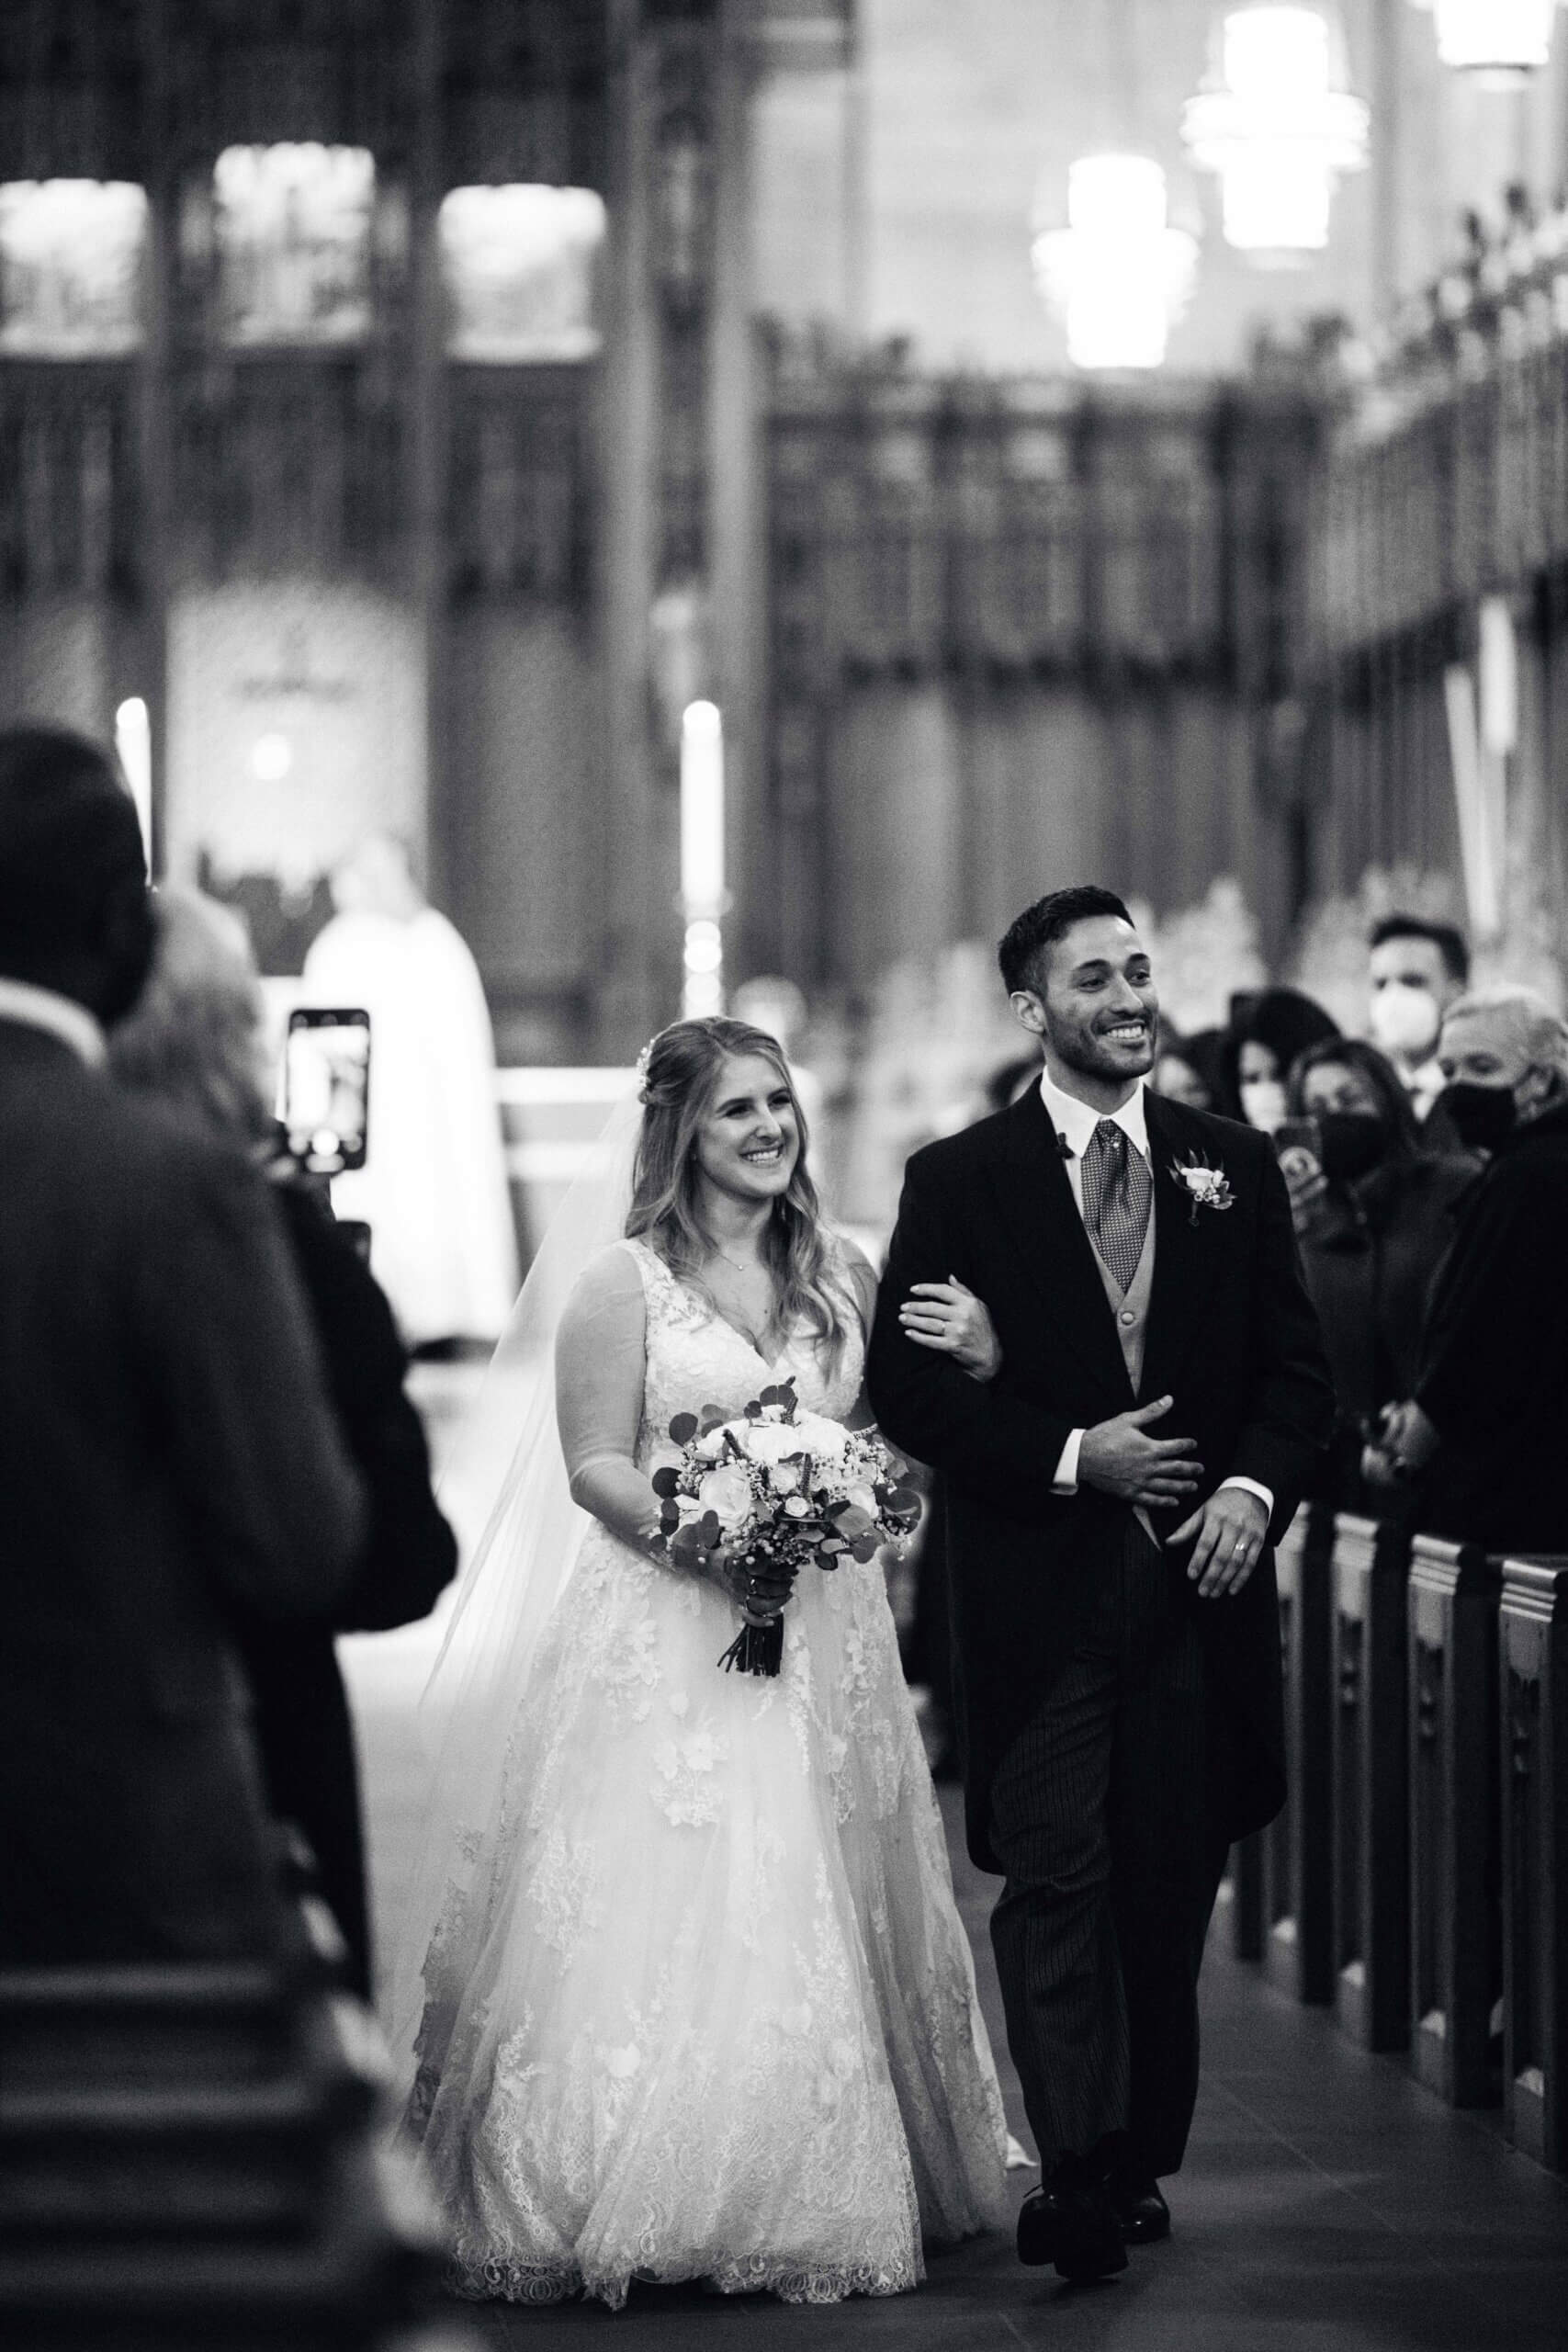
[(1117, 1191)]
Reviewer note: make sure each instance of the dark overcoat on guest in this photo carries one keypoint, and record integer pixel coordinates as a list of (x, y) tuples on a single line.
[(1372, 1254), (166, 1453), (408, 1557), (1495, 1372), (1231, 1337)]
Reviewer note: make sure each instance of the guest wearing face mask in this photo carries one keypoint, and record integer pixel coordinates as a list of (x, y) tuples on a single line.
[(1489, 1406), (1270, 1032), (1375, 1218), (1416, 970)]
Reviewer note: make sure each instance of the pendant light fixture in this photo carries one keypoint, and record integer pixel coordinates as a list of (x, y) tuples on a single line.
[(1278, 127), (1118, 275), (1501, 41)]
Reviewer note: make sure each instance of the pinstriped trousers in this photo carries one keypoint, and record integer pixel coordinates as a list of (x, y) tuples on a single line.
[(1099, 1818)]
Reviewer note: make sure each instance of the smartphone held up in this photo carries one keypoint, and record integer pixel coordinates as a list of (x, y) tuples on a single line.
[(326, 1088), (1299, 1144)]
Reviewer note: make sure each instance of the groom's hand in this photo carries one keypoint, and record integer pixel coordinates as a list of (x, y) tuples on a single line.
[(1230, 1528), (1117, 1457)]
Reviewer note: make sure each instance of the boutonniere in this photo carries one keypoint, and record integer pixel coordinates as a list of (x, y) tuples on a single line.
[(1206, 1186)]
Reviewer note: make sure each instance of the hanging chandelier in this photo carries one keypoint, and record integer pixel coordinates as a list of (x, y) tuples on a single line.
[(1279, 128), (1118, 275), (1499, 40)]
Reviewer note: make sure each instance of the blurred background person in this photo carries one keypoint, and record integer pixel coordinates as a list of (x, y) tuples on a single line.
[(1187, 1069), (168, 1455), (195, 1042), (1416, 969), (1267, 1033), (1490, 1404), (1375, 1218), (434, 1189)]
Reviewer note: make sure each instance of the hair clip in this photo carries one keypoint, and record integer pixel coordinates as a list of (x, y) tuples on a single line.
[(643, 1060)]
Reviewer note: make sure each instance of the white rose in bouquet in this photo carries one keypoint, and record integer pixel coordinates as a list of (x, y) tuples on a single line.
[(726, 1492)]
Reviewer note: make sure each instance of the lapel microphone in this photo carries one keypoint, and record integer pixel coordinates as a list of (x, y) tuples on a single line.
[(1063, 1148)]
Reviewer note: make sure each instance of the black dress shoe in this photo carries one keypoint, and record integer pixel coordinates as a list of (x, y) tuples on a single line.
[(1089, 2244), (1143, 2214), (1039, 2227)]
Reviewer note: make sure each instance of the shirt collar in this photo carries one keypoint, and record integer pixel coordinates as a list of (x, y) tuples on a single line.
[(62, 1016), (1076, 1121)]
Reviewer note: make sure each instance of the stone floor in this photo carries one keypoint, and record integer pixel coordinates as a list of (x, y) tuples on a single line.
[(1328, 2203)]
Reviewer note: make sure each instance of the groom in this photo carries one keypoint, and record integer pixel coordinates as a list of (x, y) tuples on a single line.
[(1114, 1493)]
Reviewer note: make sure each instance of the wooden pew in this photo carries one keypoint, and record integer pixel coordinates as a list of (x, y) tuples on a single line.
[(193, 2160), (1298, 1881), (1455, 1917), (1533, 1698), (1370, 1840)]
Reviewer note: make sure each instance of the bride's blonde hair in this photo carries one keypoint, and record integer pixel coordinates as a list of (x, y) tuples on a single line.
[(680, 1072)]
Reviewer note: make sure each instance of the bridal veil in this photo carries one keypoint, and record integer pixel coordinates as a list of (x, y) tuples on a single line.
[(507, 1496)]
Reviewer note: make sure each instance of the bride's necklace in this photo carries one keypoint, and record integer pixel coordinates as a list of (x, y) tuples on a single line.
[(739, 1308)]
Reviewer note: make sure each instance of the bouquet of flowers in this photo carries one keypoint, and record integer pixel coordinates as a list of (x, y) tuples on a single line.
[(782, 1489)]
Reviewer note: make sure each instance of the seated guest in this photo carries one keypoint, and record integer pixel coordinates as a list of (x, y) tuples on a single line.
[(1490, 1404), (168, 1451), (194, 1041), (1374, 1220), (1268, 1034)]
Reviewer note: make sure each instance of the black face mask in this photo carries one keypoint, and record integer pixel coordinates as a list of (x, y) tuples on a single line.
[(1354, 1143), (1482, 1116)]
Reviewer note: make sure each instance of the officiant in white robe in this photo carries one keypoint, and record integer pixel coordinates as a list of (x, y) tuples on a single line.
[(434, 1189)]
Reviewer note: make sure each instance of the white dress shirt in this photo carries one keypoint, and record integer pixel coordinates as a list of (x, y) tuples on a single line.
[(1074, 1122), (62, 1016)]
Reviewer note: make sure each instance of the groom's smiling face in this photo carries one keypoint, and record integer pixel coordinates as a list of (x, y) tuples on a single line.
[(1093, 1003)]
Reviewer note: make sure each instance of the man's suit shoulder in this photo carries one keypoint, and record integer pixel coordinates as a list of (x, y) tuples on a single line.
[(946, 1157), (1213, 1132), (144, 1152), (954, 1159)]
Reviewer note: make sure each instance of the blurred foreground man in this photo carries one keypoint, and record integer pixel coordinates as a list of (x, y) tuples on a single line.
[(1491, 1406), (166, 1444)]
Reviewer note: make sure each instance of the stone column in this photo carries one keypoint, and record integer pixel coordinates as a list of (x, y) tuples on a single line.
[(424, 554), (153, 407), (657, 584)]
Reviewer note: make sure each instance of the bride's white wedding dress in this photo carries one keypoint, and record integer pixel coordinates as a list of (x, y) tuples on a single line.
[(723, 2021)]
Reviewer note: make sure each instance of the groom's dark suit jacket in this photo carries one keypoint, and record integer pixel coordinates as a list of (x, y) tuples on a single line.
[(1231, 1336)]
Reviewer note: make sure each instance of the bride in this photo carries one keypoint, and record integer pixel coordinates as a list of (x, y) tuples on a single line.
[(695, 2000)]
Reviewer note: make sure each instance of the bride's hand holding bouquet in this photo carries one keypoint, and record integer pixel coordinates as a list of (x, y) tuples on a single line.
[(752, 1500)]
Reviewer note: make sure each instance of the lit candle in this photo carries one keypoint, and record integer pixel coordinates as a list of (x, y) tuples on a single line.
[(133, 741), (702, 811)]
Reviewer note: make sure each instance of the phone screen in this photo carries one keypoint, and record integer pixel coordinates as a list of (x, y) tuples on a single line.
[(1299, 1144), (326, 1088)]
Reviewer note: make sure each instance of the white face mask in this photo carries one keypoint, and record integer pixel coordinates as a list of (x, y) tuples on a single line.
[(1407, 1019), (1263, 1103)]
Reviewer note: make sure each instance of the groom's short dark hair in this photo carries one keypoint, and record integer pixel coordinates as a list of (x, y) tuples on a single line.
[(1022, 951)]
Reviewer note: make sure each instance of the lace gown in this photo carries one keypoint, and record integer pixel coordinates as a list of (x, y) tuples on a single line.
[(724, 2023)]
